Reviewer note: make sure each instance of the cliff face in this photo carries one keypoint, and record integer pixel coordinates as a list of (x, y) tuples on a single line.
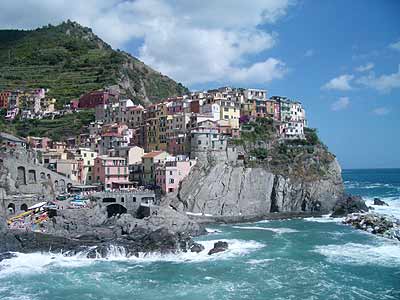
[(219, 185)]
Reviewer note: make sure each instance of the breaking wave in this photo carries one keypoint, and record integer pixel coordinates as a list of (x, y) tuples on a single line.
[(385, 254), (40, 262), (275, 230)]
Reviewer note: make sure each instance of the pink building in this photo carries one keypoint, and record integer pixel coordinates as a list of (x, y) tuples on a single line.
[(175, 106), (172, 172), (110, 170)]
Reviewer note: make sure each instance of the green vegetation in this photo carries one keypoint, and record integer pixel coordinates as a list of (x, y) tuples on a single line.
[(252, 133), (57, 129), (70, 60), (303, 158), (259, 153)]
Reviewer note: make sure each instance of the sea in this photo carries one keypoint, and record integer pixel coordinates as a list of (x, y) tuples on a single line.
[(313, 258)]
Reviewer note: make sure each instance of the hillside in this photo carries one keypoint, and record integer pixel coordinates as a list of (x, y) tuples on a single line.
[(70, 60), (57, 129)]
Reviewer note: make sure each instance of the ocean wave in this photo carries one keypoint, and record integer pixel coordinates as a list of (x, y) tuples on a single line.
[(393, 208), (40, 262), (212, 230), (259, 261), (324, 219), (385, 254), (273, 229), (370, 185)]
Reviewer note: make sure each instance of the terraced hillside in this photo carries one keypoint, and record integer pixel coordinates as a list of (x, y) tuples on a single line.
[(57, 129), (70, 60)]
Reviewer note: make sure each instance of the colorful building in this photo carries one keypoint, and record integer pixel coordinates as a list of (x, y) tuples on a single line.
[(150, 162), (172, 172), (109, 170)]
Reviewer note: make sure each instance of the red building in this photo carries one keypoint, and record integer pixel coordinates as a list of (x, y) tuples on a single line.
[(92, 99), (195, 106), (4, 99), (74, 103)]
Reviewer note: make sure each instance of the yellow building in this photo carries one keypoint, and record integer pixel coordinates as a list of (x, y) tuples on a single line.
[(230, 113)]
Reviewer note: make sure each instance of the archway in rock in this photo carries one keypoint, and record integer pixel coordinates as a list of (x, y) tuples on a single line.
[(114, 209)]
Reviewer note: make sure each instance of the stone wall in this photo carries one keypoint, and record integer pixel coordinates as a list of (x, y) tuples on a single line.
[(24, 182)]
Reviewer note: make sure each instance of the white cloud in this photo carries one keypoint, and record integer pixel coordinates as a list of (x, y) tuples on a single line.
[(309, 53), (366, 67), (341, 83), (191, 41), (381, 111), (340, 104), (395, 46), (383, 83)]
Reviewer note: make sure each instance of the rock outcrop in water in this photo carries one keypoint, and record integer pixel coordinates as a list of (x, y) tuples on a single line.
[(385, 226), (348, 205), (221, 185), (90, 232)]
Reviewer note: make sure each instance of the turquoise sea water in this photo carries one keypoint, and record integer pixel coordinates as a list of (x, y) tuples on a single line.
[(290, 259)]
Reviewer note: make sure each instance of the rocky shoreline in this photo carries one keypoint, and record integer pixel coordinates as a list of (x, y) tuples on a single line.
[(89, 233), (381, 225)]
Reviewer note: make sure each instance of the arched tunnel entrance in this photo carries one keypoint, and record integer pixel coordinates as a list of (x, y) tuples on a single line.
[(114, 209), (24, 207)]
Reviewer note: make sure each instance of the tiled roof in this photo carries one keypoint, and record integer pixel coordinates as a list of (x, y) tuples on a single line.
[(152, 154)]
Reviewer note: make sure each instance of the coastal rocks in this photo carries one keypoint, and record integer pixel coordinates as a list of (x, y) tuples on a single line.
[(90, 233), (375, 224), (378, 201), (6, 255), (348, 205), (219, 246), (219, 187), (196, 247)]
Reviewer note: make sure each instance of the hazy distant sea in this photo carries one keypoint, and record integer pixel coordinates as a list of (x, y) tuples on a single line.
[(316, 258)]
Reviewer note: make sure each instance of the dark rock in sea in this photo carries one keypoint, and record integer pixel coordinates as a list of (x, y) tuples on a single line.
[(196, 247), (218, 247), (378, 201), (375, 224), (348, 205), (6, 255), (89, 232)]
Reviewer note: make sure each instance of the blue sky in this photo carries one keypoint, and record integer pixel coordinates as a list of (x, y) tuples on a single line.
[(340, 58), (342, 36)]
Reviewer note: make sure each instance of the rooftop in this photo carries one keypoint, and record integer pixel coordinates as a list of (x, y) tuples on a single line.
[(152, 154)]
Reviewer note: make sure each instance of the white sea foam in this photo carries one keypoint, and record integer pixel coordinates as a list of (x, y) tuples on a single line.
[(278, 230), (392, 210), (324, 219), (263, 221), (259, 261), (386, 254), (38, 263)]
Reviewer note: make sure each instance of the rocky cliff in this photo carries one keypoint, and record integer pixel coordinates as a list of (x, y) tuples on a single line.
[(220, 185)]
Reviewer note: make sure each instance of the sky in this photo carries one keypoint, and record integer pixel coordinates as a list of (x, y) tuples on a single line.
[(340, 58)]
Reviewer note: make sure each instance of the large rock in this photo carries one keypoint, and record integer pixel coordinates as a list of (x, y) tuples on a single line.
[(348, 205), (220, 187), (378, 201), (219, 246)]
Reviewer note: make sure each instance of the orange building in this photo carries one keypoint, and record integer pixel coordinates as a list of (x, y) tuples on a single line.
[(4, 95)]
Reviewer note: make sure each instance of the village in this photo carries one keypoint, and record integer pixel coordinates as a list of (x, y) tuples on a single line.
[(130, 146)]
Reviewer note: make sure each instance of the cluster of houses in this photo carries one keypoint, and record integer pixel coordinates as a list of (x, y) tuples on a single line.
[(129, 145), (27, 103)]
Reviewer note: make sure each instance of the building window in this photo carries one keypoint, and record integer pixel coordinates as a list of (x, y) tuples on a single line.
[(134, 199)]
